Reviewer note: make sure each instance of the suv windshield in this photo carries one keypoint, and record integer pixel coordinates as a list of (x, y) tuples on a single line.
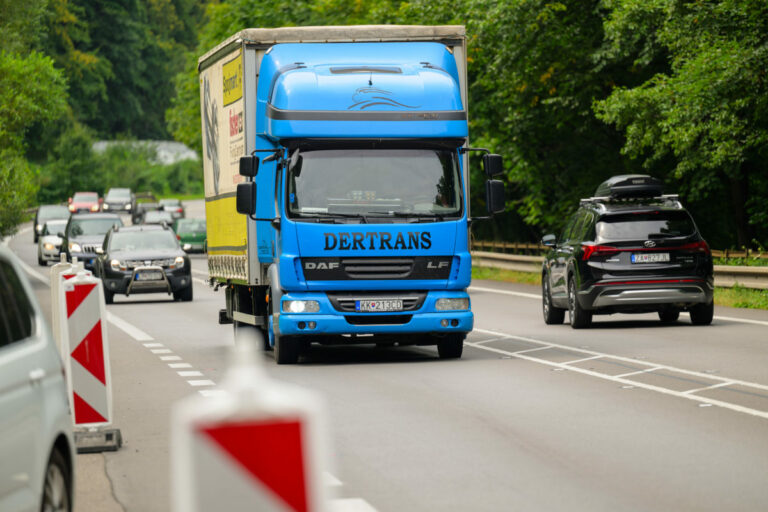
[(89, 227), (52, 212), (53, 227), (117, 194), (132, 240), (645, 226), (375, 182)]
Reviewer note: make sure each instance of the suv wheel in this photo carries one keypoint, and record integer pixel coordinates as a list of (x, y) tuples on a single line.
[(552, 315), (701, 314), (57, 485), (669, 316), (577, 315), (109, 296), (184, 295)]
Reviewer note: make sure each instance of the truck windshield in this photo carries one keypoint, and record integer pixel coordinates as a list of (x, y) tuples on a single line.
[(375, 183)]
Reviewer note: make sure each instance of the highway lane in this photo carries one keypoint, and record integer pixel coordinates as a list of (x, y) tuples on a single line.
[(500, 429)]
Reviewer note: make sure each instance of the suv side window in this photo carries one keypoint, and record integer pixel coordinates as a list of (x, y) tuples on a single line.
[(577, 227), (15, 310), (586, 229), (566, 235)]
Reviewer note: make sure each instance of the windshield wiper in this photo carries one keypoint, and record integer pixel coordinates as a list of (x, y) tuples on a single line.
[(331, 215), (414, 215)]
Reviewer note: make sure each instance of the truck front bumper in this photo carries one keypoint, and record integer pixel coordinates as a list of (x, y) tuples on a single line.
[(329, 321)]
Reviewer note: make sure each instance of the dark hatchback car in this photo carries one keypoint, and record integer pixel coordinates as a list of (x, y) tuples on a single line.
[(119, 200), (84, 233), (48, 212), (144, 259), (629, 249)]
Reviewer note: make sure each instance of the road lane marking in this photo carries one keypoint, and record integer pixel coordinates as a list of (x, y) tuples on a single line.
[(201, 382), (647, 370), (191, 373), (179, 365), (204, 283), (625, 381), (211, 392), (129, 329), (200, 272), (170, 358), (161, 351), (153, 345), (582, 360), (707, 388)]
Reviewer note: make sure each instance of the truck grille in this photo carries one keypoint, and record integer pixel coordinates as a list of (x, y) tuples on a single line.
[(336, 269), (346, 302), (378, 319), (377, 268)]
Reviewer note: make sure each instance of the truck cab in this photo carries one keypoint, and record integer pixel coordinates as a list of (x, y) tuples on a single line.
[(351, 186)]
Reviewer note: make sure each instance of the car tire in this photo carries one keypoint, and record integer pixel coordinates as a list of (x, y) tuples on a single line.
[(578, 316), (669, 316), (184, 295), (109, 296), (451, 346), (552, 314), (701, 314), (41, 261), (57, 484)]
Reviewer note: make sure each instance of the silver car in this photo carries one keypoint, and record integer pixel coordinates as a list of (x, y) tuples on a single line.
[(49, 242), (37, 451)]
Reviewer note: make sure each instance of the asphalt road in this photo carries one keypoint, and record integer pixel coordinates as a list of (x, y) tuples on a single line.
[(628, 415)]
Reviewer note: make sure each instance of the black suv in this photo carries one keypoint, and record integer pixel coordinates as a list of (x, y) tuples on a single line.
[(629, 249)]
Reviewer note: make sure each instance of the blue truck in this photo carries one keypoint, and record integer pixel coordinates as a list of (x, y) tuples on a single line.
[(337, 185)]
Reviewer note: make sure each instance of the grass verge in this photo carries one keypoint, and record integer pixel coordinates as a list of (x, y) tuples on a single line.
[(736, 297)]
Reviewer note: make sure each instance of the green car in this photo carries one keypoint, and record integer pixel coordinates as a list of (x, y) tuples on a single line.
[(191, 234)]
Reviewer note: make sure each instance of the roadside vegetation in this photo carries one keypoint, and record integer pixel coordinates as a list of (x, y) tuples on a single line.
[(736, 297)]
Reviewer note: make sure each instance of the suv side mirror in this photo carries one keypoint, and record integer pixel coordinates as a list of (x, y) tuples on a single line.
[(548, 240), (249, 166), (494, 196), (246, 198), (492, 165)]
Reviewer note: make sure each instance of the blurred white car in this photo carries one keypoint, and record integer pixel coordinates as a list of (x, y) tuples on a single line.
[(37, 451), (49, 242)]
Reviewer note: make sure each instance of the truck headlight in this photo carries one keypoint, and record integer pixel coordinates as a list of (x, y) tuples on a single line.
[(452, 304), (301, 306), (74, 247)]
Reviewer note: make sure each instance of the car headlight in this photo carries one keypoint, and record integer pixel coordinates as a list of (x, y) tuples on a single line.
[(106, 206), (128, 206), (117, 265), (39, 228), (74, 247), (301, 306), (452, 304), (178, 262), (71, 207), (49, 246), (95, 208)]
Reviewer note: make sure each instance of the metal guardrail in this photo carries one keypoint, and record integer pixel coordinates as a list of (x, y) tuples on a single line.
[(725, 275)]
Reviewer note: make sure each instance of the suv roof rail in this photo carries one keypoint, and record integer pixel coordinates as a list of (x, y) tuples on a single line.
[(667, 199)]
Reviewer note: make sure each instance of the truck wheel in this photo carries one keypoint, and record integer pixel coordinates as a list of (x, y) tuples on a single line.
[(287, 348), (552, 315), (701, 314), (578, 316), (451, 346)]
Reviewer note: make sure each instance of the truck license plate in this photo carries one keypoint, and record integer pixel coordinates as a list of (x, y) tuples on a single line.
[(379, 305), (149, 275), (652, 257)]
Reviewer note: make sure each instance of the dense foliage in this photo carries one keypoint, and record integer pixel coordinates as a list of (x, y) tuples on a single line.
[(569, 91)]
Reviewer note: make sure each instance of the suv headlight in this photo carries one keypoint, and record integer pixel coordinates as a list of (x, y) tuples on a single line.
[(178, 262), (74, 247), (117, 265), (452, 304), (128, 206), (301, 306)]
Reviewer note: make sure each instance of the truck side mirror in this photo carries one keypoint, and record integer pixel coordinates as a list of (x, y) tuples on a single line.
[(548, 240), (249, 166), (494, 196), (492, 165), (246, 198)]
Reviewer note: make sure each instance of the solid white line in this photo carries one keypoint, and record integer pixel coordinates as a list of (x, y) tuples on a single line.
[(721, 385), (170, 358), (202, 382), (504, 292), (34, 273), (582, 360), (153, 345), (200, 272), (131, 330), (623, 359), (351, 505), (740, 320), (531, 350), (664, 391), (161, 351), (487, 341), (179, 365), (191, 373), (638, 372)]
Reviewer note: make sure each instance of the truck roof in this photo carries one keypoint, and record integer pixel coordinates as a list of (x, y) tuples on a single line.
[(336, 34)]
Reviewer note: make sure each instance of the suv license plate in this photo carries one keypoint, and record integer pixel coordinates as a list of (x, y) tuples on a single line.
[(650, 257), (379, 305), (149, 275)]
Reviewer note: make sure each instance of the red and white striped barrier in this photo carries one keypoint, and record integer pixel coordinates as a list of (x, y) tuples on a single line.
[(255, 445), (60, 272), (85, 344)]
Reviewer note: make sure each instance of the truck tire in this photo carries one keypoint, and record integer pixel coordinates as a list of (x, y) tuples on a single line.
[(451, 346), (578, 316), (669, 316), (552, 314), (287, 348), (701, 314)]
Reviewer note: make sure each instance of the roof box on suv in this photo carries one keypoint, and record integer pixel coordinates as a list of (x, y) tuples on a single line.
[(630, 185)]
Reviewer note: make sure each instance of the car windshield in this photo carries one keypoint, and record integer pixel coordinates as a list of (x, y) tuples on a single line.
[(190, 226), (644, 226), (375, 182), (53, 227), (118, 194), (85, 197), (52, 212), (157, 216), (133, 240), (89, 227)]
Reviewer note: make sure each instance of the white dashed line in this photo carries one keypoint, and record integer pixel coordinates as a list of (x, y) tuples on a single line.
[(211, 392), (170, 358), (153, 345), (179, 365), (129, 329), (191, 373), (161, 351), (202, 382)]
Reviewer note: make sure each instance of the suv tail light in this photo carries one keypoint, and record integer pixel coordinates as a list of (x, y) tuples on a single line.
[(597, 250), (700, 246)]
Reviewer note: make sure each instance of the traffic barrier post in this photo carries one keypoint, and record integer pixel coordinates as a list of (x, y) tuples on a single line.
[(253, 445), (84, 342)]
